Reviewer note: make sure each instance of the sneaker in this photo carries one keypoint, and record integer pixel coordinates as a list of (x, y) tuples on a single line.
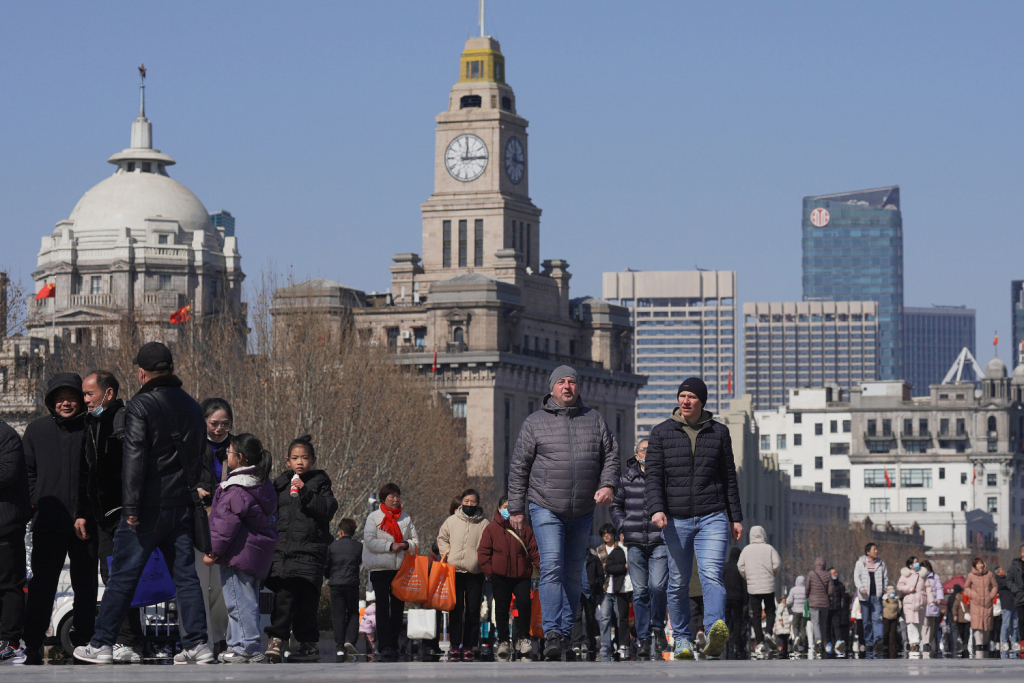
[(643, 651), (553, 647), (273, 653), (525, 647), (94, 655), (200, 654), (467, 655), (717, 639), (879, 646), (683, 650), (623, 654), (351, 651), (236, 657), (11, 654), (503, 651), (307, 652), (124, 654)]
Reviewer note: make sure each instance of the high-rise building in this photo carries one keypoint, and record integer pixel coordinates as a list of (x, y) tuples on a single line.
[(685, 326), (797, 344), (853, 251), (932, 339), (1017, 315), (224, 222)]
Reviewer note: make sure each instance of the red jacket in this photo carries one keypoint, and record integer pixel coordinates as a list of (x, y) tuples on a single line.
[(501, 554)]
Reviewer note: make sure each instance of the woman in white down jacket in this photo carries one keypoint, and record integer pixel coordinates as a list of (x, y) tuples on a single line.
[(388, 536)]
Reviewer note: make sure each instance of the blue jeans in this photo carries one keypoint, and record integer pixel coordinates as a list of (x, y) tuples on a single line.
[(170, 530), (242, 600), (562, 544), (1008, 631), (871, 615), (707, 538), (648, 572)]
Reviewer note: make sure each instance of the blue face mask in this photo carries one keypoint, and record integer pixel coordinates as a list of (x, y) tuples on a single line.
[(97, 411), (917, 565), (504, 513)]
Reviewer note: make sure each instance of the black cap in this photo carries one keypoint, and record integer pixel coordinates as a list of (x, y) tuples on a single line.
[(154, 356), (696, 386)]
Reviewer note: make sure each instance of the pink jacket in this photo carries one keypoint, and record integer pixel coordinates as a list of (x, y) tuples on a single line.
[(914, 588)]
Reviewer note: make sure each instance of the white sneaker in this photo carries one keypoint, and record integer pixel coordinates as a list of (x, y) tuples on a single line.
[(123, 654), (94, 655), (200, 654)]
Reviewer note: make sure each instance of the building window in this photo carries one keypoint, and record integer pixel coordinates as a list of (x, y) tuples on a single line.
[(916, 478), (963, 477), (915, 446), (993, 504), (840, 479), (780, 442), (798, 418), (886, 427), (478, 242), (992, 479), (798, 439), (818, 488), (879, 446), (908, 428), (833, 427), (420, 336), (876, 479), (818, 429), (529, 231), (798, 470), (963, 506), (846, 426), (942, 473), (766, 442), (839, 449), (96, 284), (161, 239), (961, 427), (469, 101), (942, 501), (459, 336), (879, 505), (392, 336), (446, 244), (463, 237), (944, 427), (819, 462), (872, 427), (993, 446), (165, 282), (917, 505), (992, 425), (506, 103)]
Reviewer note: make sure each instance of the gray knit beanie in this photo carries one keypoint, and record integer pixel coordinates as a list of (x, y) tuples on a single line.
[(560, 372)]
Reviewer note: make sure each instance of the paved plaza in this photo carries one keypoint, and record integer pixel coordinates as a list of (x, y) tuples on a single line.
[(833, 671)]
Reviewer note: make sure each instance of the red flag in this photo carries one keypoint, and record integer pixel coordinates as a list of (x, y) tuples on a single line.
[(47, 292), (974, 474), (434, 369), (995, 342), (729, 390), (888, 481), (181, 315)]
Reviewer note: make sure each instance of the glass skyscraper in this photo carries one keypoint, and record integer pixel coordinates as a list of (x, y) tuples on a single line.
[(1017, 313), (853, 251), (932, 339)]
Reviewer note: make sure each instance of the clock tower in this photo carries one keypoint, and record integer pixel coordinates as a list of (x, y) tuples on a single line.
[(480, 217)]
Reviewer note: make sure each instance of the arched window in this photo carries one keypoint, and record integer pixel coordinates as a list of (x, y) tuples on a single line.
[(991, 423), (457, 335)]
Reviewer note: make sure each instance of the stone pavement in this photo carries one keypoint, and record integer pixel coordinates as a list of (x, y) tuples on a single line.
[(834, 671)]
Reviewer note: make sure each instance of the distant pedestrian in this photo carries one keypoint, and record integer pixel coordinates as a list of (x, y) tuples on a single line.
[(890, 622), (458, 541), (344, 557), (838, 621), (759, 564), (819, 590), (782, 630), (615, 596), (931, 631), (1008, 624), (981, 588), (795, 600), (913, 587), (870, 578), (1015, 582)]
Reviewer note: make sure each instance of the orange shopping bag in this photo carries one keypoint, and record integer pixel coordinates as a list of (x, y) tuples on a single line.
[(410, 584), (442, 587), (536, 622)]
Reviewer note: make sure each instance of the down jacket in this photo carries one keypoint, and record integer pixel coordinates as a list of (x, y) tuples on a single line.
[(303, 526), (377, 555), (459, 538), (797, 596), (500, 554), (629, 508), (982, 590), (759, 563), (15, 510), (819, 585), (936, 595), (344, 557), (686, 484), (243, 523), (562, 457), (862, 578), (913, 586)]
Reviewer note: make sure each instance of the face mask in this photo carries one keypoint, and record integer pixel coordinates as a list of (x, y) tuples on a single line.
[(917, 565), (892, 595), (835, 578), (97, 411), (504, 513), (470, 510)]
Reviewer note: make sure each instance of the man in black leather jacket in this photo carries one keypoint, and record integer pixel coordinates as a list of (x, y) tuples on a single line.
[(164, 433)]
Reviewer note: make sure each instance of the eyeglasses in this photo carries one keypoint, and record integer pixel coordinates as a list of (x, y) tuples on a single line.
[(641, 450)]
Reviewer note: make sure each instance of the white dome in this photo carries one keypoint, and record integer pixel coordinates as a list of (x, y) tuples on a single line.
[(996, 369), (128, 199), (1018, 374)]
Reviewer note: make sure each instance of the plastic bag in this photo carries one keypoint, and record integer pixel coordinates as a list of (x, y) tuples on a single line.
[(422, 624), (441, 587), (410, 584), (155, 585), (536, 621)]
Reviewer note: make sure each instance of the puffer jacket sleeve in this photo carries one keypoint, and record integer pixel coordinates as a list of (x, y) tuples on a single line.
[(444, 545), (226, 517), (654, 475), (617, 509), (776, 561), (610, 458), (484, 551), (136, 448), (728, 474), (413, 538), (519, 471), (321, 504), (372, 542)]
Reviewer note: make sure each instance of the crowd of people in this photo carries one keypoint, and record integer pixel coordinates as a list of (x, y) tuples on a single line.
[(106, 483)]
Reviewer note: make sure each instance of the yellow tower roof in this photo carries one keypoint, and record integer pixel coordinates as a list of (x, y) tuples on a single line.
[(482, 62)]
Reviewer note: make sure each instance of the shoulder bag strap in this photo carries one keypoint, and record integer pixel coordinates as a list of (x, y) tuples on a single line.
[(520, 540)]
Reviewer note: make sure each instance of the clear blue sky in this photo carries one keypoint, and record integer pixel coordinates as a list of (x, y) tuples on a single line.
[(663, 135)]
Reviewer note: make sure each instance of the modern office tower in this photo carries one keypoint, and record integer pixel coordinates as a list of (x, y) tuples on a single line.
[(224, 222), (1017, 313), (685, 325), (932, 339), (853, 251), (799, 344)]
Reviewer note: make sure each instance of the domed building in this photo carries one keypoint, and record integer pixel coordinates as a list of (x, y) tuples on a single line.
[(140, 246)]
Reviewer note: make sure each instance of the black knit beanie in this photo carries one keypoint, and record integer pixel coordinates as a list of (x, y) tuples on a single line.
[(696, 386)]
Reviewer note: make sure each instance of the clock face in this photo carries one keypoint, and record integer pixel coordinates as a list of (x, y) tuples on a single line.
[(466, 157), (515, 160)]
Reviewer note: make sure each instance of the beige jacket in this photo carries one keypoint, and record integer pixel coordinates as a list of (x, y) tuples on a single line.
[(759, 563), (459, 539)]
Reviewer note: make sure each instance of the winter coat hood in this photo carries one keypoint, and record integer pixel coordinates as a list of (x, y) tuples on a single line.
[(757, 534), (64, 380), (799, 583), (819, 564), (759, 563), (264, 495), (913, 586)]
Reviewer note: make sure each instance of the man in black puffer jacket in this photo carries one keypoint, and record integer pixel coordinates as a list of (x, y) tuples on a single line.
[(164, 433), (15, 512), (646, 553), (693, 496), (54, 447)]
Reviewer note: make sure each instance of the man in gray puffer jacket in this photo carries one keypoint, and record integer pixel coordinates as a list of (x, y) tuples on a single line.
[(565, 461)]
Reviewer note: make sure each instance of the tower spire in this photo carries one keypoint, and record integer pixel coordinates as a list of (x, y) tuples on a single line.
[(482, 32), (142, 88)]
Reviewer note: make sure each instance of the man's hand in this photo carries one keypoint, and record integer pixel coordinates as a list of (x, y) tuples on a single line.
[(863, 591), (202, 492), (737, 531), (209, 559), (517, 522), (604, 496), (80, 529), (660, 520), (132, 520)]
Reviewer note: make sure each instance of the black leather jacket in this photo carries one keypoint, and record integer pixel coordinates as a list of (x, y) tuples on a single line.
[(99, 477), (152, 476)]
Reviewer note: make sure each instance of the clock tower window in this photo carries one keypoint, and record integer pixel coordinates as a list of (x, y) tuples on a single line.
[(446, 237), (528, 232), (470, 101), (478, 242), (506, 103), (462, 243)]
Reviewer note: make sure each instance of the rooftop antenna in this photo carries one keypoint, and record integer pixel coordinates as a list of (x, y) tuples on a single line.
[(482, 33), (141, 88)]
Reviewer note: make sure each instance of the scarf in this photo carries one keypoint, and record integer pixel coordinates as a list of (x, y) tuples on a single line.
[(390, 522)]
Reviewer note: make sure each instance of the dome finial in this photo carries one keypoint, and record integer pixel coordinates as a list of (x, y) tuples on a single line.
[(142, 90)]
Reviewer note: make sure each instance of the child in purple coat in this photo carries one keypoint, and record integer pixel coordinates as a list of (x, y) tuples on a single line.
[(243, 528)]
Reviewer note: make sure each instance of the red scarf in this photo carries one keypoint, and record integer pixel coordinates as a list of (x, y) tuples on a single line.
[(390, 522)]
